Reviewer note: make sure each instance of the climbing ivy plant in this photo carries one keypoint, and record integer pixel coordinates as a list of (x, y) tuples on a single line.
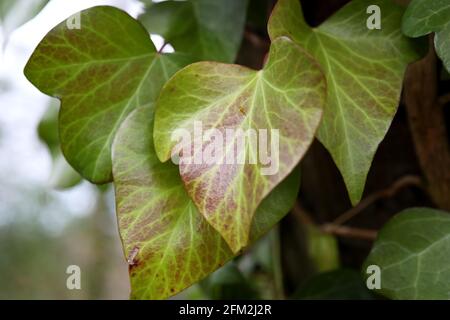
[(122, 99)]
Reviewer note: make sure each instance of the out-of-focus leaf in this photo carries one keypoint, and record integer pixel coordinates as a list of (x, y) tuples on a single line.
[(48, 128), (343, 284), (229, 283), (168, 243), (101, 73), (364, 70), (14, 13), (288, 96), (413, 253), (208, 30), (322, 249), (426, 16), (63, 176)]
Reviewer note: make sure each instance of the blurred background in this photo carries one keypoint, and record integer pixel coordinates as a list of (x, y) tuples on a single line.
[(43, 230)]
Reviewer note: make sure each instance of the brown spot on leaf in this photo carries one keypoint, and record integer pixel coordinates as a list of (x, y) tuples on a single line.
[(132, 257)]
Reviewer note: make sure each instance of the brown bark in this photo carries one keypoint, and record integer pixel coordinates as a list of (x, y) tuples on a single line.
[(428, 128)]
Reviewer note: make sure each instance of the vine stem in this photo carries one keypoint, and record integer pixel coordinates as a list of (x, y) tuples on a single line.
[(393, 189), (428, 127), (350, 232), (162, 47), (336, 227)]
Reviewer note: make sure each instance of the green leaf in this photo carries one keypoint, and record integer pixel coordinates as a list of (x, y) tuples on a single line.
[(323, 249), (425, 16), (48, 128), (208, 30), (63, 176), (413, 253), (169, 245), (288, 95), (101, 73), (364, 70), (343, 284), (14, 13)]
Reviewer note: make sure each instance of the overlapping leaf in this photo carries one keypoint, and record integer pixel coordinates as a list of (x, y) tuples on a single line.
[(101, 72), (364, 70), (168, 243), (288, 95), (425, 16), (413, 253), (208, 30)]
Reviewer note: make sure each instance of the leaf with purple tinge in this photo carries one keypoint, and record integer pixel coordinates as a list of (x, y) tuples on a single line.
[(168, 244), (287, 95)]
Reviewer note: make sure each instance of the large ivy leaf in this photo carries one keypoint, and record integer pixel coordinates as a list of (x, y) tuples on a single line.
[(168, 243), (287, 95), (425, 16), (14, 13), (413, 253), (101, 73), (364, 70), (209, 30)]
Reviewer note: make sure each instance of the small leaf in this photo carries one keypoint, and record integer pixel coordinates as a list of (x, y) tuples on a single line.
[(425, 16), (169, 245), (413, 253), (364, 70), (48, 128), (342, 284), (288, 95), (208, 30), (101, 73), (14, 13), (323, 249), (63, 176)]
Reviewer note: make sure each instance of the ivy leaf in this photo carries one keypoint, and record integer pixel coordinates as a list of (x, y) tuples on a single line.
[(169, 245), (364, 70), (208, 30), (288, 95), (14, 13), (101, 73), (425, 16), (413, 253)]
